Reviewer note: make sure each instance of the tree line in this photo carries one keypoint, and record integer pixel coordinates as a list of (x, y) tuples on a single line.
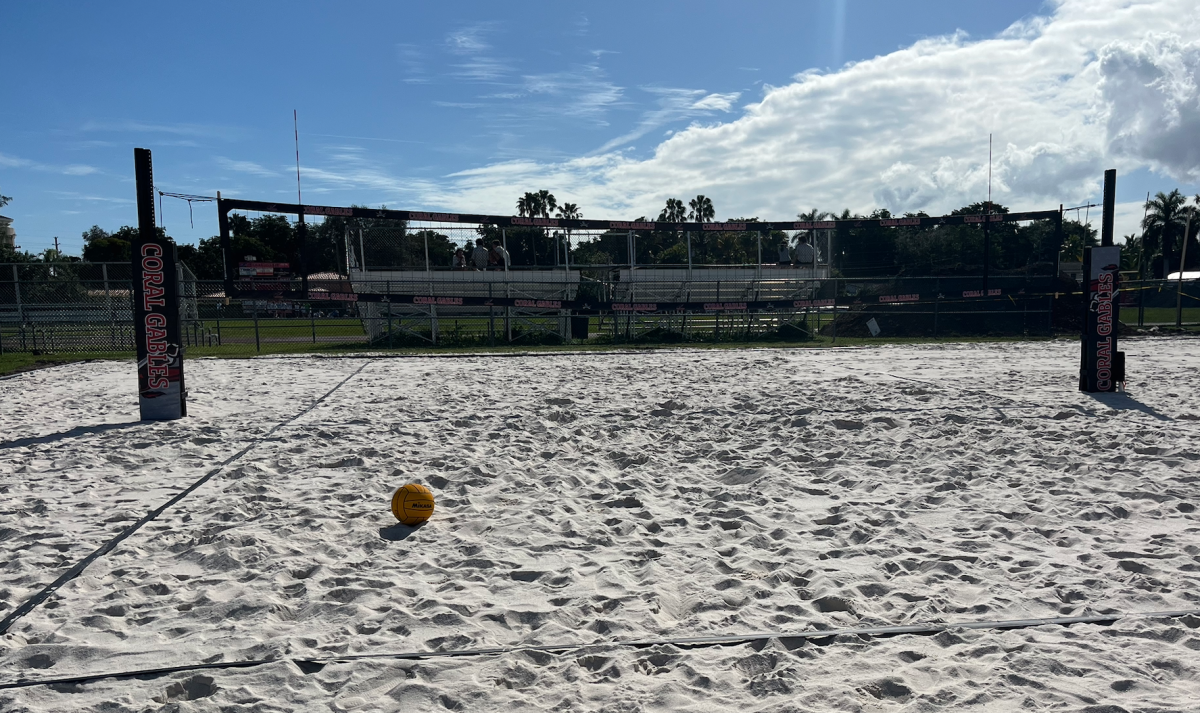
[(1015, 248)]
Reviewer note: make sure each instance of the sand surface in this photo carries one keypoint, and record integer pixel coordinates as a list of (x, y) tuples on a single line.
[(593, 499)]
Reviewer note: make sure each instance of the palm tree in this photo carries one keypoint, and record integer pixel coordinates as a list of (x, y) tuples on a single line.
[(569, 211), (546, 203), (675, 212), (527, 205), (812, 216), (702, 209), (1131, 250), (1165, 217)]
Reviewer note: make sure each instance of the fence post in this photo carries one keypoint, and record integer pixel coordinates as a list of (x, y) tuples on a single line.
[(112, 325), (389, 324), (1141, 302), (312, 320), (937, 301), (507, 287), (492, 316), (17, 291), (1182, 264), (219, 327), (257, 343), (717, 316), (833, 326)]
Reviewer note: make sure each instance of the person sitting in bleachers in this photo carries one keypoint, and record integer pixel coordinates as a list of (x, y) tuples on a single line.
[(806, 255)]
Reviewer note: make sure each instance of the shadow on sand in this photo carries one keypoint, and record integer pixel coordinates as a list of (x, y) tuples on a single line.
[(1125, 402), (398, 532), (77, 431)]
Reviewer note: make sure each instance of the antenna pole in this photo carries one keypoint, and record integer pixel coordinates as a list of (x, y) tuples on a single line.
[(989, 173), (296, 130)]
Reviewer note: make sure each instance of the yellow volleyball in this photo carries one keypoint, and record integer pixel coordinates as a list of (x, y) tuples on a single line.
[(412, 504)]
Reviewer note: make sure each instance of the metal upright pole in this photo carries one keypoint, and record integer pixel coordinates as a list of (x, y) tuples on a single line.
[(362, 254), (1179, 284)]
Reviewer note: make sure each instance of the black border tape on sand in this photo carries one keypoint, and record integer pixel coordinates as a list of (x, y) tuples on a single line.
[(32, 603), (789, 640)]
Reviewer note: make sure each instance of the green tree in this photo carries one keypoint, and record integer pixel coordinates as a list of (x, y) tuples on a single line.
[(569, 211), (531, 246), (702, 211), (547, 202), (1166, 214), (1076, 237), (5, 200), (100, 245), (1131, 251), (527, 205), (674, 212)]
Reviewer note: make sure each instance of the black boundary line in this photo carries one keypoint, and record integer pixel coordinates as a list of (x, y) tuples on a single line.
[(31, 603), (312, 665)]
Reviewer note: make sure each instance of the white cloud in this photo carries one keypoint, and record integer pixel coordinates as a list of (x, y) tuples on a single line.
[(141, 127), (1151, 90), (249, 167), (673, 105), (70, 170), (1097, 84), (14, 162), (583, 92), (717, 102), (477, 65)]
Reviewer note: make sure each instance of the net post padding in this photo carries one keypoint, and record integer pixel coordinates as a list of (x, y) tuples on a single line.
[(156, 309)]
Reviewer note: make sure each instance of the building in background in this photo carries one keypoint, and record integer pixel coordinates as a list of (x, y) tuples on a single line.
[(8, 236)]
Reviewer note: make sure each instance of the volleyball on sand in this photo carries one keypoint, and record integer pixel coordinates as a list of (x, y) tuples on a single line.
[(412, 504)]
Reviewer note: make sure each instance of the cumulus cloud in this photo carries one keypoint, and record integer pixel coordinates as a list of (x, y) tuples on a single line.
[(1150, 89), (1095, 84)]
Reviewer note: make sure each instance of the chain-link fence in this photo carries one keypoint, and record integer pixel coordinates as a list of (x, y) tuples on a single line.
[(83, 307)]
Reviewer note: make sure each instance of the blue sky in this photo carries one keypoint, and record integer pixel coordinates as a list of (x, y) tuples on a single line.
[(768, 107)]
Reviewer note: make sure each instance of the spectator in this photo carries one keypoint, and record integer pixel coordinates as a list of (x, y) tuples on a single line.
[(806, 256), (479, 256), (785, 255), (499, 255), (460, 259)]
